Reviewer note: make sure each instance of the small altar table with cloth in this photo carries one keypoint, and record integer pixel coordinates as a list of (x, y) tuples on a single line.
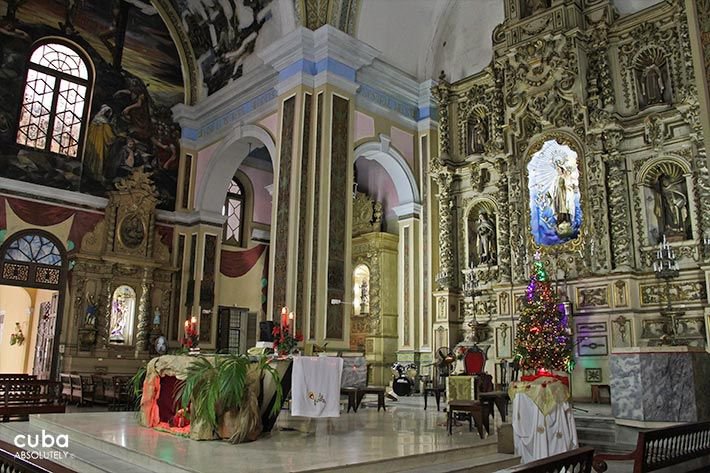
[(315, 389), (543, 423)]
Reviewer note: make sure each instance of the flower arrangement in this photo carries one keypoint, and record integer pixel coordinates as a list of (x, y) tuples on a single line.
[(284, 340), (191, 338), (17, 338)]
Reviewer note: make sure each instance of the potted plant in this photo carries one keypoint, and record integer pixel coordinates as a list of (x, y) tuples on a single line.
[(221, 396)]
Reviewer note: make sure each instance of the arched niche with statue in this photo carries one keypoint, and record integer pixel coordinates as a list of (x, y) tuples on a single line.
[(481, 234)]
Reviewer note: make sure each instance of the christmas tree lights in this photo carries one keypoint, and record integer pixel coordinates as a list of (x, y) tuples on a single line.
[(543, 339)]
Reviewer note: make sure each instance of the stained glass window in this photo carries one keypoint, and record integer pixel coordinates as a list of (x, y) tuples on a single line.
[(123, 309), (34, 249), (54, 101), (234, 211)]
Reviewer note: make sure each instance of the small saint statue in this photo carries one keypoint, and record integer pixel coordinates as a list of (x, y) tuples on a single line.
[(156, 317), (652, 86), (486, 232), (91, 311)]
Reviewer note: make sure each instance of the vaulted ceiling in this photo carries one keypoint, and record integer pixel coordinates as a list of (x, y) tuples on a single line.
[(216, 39)]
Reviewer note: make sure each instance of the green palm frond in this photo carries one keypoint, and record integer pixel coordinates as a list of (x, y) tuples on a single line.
[(212, 387)]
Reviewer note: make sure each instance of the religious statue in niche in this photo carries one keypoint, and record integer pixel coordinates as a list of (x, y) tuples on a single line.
[(555, 199), (481, 238), (535, 6), (651, 72), (486, 234), (670, 208), (477, 134)]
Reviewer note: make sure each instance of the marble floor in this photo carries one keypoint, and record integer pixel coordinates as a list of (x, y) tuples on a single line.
[(402, 438)]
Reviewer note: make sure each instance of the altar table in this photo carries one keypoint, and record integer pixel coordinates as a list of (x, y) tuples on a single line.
[(543, 423)]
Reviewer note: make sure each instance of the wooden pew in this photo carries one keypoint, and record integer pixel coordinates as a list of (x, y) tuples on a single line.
[(578, 460), (661, 448), (19, 399)]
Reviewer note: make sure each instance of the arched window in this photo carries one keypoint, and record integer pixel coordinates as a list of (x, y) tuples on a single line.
[(123, 310), (54, 102), (234, 211)]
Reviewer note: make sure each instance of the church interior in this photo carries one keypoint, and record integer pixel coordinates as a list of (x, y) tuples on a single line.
[(391, 184)]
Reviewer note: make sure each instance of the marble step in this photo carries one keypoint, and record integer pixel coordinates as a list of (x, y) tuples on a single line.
[(594, 434), (484, 464), (470, 454), (101, 452), (76, 457)]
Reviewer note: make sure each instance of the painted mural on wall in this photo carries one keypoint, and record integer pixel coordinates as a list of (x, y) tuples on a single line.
[(137, 79), (555, 201), (222, 35)]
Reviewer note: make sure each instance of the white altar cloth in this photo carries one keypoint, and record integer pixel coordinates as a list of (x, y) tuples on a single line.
[(537, 435), (315, 386)]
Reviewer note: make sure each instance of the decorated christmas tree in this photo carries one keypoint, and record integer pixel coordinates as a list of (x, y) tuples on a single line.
[(543, 340)]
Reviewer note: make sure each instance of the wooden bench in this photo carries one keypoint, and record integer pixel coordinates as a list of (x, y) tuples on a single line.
[(19, 399), (661, 448), (16, 376), (578, 460)]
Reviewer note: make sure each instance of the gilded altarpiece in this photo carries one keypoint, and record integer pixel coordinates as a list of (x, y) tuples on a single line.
[(376, 330), (617, 96), (125, 249)]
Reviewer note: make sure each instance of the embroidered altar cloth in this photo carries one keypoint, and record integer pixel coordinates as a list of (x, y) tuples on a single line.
[(315, 386)]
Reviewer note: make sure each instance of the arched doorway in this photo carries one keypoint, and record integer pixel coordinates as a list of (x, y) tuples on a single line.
[(237, 185), (391, 247), (36, 261)]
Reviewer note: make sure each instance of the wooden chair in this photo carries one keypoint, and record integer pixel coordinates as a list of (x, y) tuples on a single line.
[(475, 411), (379, 390)]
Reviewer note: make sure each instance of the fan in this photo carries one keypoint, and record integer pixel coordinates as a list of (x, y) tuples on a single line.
[(444, 359)]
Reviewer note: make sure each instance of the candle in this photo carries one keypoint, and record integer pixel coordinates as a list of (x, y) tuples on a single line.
[(284, 317), (187, 323), (290, 319)]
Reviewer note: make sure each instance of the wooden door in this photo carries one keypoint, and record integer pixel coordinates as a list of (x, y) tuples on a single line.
[(44, 348)]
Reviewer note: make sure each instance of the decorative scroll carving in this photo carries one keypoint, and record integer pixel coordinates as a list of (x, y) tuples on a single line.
[(503, 222), (592, 297), (444, 179), (367, 215), (441, 93), (619, 211), (681, 291)]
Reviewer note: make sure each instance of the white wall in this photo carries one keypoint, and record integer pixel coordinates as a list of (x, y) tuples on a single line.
[(15, 302)]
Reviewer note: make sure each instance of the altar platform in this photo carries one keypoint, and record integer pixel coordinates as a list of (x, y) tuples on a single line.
[(404, 438)]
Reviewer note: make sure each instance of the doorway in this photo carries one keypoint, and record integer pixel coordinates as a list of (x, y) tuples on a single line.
[(236, 331), (33, 267)]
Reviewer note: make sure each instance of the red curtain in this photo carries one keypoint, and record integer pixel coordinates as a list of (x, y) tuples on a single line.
[(42, 215), (235, 264)]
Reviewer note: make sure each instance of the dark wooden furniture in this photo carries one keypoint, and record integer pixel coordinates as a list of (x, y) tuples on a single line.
[(475, 411), (351, 393), (578, 460), (498, 399), (379, 390), (11, 461), (16, 376), (661, 448), (596, 393), (436, 391), (19, 399)]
